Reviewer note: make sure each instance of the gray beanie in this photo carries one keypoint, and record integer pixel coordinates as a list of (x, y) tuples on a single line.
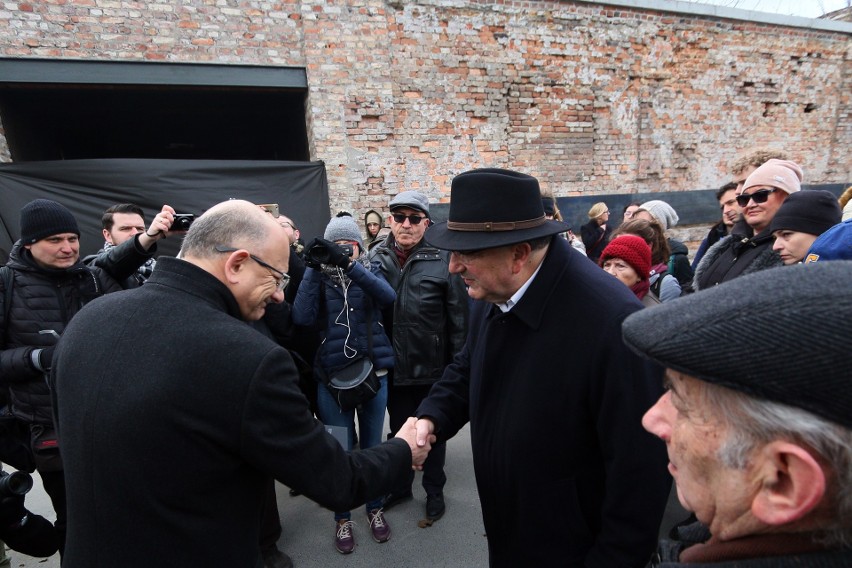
[(344, 229), (701, 335), (42, 218), (662, 212)]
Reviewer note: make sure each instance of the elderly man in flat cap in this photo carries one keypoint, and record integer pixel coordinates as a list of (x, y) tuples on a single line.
[(565, 473), (759, 434)]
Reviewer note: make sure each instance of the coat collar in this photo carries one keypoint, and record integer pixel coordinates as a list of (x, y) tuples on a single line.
[(194, 280)]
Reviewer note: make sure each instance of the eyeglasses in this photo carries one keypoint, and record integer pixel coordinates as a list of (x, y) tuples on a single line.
[(400, 218), (759, 196), (280, 283), (467, 256)]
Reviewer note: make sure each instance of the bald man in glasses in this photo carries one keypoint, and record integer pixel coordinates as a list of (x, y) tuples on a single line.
[(427, 325), (765, 189)]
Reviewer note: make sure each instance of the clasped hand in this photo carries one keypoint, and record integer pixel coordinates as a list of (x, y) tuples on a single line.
[(418, 434)]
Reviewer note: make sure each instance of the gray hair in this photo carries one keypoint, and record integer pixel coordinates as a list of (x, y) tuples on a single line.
[(236, 224), (754, 422)]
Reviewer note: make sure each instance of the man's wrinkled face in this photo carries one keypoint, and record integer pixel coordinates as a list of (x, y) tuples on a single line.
[(731, 212), (405, 233), (487, 273), (56, 251), (124, 226), (693, 434)]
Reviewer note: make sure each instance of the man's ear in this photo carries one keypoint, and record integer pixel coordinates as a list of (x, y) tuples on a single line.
[(107, 237), (792, 483), (235, 265)]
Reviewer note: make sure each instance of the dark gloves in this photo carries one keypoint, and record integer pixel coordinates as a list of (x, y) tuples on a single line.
[(41, 358), (12, 512), (321, 251)]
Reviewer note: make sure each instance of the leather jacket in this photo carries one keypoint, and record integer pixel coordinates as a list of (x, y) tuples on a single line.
[(428, 321)]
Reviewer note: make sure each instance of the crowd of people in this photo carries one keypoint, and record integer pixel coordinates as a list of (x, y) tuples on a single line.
[(252, 358)]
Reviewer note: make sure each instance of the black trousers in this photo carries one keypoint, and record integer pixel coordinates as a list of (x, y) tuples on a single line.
[(402, 403), (54, 486), (270, 522)]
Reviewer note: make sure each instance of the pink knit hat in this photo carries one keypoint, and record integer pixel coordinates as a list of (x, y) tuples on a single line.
[(782, 174)]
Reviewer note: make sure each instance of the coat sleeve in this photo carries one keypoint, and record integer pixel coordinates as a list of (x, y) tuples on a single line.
[(636, 480), (373, 283), (307, 458), (122, 261), (307, 304)]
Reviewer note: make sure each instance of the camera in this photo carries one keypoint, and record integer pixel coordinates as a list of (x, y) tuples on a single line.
[(320, 253), (15, 484), (182, 221)]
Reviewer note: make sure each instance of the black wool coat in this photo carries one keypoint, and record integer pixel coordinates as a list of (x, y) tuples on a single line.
[(173, 414), (566, 474)]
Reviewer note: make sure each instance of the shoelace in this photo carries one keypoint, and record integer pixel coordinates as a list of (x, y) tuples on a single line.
[(345, 530), (377, 519)]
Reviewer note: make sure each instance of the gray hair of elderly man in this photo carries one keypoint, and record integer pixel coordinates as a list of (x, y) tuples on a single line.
[(754, 422), (230, 223)]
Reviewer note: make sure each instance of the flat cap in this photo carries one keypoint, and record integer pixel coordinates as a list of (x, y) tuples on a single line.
[(780, 334), (412, 199)]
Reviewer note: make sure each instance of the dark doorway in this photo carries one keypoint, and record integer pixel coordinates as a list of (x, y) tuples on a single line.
[(79, 121)]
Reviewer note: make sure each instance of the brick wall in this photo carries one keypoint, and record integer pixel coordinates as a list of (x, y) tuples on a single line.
[(589, 98)]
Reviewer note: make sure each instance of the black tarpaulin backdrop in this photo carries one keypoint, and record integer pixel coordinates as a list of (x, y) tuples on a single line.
[(88, 187)]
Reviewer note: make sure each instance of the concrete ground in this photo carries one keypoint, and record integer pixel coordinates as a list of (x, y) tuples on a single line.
[(457, 540)]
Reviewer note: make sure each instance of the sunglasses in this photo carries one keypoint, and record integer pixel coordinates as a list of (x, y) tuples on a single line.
[(759, 196), (400, 218)]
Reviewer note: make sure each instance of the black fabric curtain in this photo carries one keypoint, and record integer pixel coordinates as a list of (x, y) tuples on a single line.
[(88, 187)]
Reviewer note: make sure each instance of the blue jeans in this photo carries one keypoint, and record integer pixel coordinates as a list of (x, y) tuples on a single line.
[(371, 420)]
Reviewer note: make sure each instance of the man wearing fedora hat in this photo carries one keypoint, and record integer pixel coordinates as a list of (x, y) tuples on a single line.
[(565, 473)]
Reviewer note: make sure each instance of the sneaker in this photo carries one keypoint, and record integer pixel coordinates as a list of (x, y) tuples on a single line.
[(379, 526), (344, 542), (274, 558), (435, 506), (394, 499)]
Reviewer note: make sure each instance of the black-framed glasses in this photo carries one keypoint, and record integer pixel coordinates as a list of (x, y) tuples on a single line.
[(759, 196), (400, 218), (280, 282)]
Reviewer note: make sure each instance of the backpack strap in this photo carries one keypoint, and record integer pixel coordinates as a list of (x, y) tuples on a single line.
[(657, 285)]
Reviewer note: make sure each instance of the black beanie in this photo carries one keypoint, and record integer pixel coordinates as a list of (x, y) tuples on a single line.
[(812, 211), (42, 218)]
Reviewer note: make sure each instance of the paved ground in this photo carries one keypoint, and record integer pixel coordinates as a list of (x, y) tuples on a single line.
[(457, 540)]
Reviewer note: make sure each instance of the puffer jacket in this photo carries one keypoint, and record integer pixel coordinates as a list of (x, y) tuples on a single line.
[(734, 256), (345, 332), (428, 322), (46, 299)]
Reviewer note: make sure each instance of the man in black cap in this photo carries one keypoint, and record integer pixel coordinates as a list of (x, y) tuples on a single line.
[(427, 325), (565, 474), (759, 435), (48, 284)]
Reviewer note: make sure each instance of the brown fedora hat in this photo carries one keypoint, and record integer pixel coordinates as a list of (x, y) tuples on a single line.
[(491, 208)]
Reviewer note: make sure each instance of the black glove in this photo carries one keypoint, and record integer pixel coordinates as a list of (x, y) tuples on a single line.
[(335, 254), (310, 261), (12, 511), (41, 358)]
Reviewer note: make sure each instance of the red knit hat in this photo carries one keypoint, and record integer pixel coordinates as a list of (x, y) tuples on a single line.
[(631, 249)]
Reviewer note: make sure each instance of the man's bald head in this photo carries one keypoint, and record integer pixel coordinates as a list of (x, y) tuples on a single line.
[(233, 223)]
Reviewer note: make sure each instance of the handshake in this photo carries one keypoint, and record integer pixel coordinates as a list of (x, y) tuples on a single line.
[(420, 436)]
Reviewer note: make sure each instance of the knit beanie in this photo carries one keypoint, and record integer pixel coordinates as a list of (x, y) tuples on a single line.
[(631, 249), (343, 229), (42, 218), (597, 210), (812, 212), (834, 244), (662, 212), (782, 174)]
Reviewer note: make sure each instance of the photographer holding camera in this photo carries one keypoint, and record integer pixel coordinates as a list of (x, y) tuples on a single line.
[(341, 287), (22, 530)]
